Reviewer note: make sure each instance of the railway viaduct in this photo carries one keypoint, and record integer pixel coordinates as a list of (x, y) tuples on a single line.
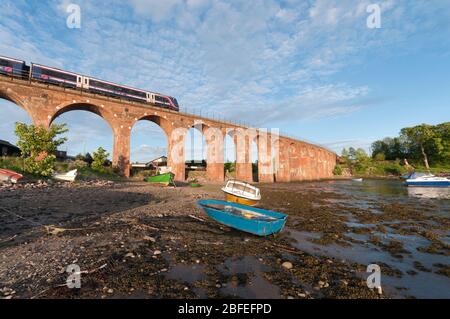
[(280, 158)]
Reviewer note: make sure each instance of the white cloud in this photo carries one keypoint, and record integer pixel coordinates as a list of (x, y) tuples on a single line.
[(158, 10)]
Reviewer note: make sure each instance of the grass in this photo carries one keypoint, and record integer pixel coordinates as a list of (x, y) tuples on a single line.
[(12, 163), (84, 173), (88, 173)]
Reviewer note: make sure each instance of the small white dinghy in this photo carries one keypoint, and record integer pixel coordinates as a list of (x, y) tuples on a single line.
[(242, 193), (357, 180), (67, 177)]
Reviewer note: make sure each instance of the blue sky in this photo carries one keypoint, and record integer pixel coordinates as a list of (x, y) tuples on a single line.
[(310, 68)]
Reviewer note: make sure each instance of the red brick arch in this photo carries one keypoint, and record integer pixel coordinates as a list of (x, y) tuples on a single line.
[(100, 110), (11, 96)]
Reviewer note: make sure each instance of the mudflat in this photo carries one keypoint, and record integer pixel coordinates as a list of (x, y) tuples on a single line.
[(135, 240)]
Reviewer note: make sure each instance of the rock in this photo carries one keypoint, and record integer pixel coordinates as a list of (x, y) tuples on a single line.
[(344, 282), (218, 286), (148, 238), (157, 252), (290, 297), (129, 255), (287, 265), (302, 295), (110, 291), (323, 284)]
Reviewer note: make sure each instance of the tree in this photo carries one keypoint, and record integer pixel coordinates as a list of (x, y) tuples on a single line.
[(345, 155), (379, 157), (99, 160), (88, 158), (352, 153), (361, 155), (441, 143), (419, 136), (38, 146)]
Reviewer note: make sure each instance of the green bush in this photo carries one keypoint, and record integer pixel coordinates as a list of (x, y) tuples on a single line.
[(38, 146), (79, 164), (229, 167), (380, 157), (99, 160), (337, 170)]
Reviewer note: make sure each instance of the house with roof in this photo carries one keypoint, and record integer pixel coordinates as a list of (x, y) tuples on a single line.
[(153, 164), (8, 149)]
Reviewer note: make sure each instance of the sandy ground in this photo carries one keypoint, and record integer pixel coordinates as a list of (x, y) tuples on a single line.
[(134, 240)]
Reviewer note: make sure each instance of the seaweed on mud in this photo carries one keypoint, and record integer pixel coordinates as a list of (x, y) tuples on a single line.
[(443, 269), (419, 266), (436, 247)]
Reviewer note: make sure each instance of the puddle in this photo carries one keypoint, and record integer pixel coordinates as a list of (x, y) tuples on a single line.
[(244, 264), (246, 279), (187, 273), (256, 288)]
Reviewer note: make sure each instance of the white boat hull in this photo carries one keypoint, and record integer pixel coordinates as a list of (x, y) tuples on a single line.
[(428, 181), (67, 177)]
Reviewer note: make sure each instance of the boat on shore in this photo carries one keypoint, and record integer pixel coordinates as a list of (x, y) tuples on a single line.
[(66, 177), (241, 193), (357, 180), (249, 219), (163, 179), (7, 175), (194, 183), (427, 180)]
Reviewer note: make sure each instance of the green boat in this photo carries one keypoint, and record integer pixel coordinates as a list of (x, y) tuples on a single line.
[(196, 185), (165, 179)]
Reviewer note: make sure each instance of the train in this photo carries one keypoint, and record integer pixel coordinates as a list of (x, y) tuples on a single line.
[(54, 76)]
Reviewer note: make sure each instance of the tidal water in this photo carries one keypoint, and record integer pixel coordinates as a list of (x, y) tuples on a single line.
[(421, 281)]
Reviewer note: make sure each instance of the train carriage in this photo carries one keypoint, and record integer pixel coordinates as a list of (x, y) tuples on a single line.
[(115, 90), (14, 67), (54, 76)]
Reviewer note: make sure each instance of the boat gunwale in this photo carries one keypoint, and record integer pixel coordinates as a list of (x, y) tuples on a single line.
[(256, 198), (204, 203)]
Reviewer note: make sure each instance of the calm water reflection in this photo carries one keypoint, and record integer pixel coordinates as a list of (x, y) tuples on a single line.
[(390, 188)]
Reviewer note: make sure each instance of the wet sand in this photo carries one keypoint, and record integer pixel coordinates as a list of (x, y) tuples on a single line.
[(134, 240)]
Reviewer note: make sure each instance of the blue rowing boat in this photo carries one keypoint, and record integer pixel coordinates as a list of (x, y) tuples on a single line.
[(252, 220)]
